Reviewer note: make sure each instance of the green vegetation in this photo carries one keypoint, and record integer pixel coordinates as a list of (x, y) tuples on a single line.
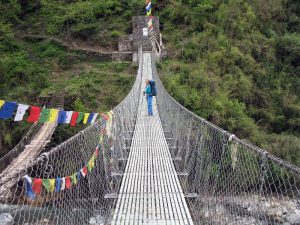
[(93, 21), (30, 70), (234, 62)]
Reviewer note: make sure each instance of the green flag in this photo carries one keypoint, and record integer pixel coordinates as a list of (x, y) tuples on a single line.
[(49, 184), (45, 115), (80, 117), (74, 178)]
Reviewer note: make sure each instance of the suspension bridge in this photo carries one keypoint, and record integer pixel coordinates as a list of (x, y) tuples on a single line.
[(171, 168)]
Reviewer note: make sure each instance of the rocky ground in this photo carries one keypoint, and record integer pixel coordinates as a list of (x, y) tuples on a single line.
[(241, 210), (253, 210)]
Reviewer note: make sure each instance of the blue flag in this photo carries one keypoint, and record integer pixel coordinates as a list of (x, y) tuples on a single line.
[(91, 116), (29, 192), (78, 176), (62, 116), (57, 184), (148, 7), (7, 110)]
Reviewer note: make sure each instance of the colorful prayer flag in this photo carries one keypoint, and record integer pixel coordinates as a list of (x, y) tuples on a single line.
[(74, 178), (68, 117), (91, 164), (63, 184), (101, 140), (68, 182), (49, 184), (21, 112), (91, 116), (84, 171), (34, 114), (7, 110), (85, 118), (44, 116), (37, 185), (148, 7), (94, 118), (104, 116), (97, 152), (78, 176), (29, 192), (80, 117), (62, 115), (53, 115), (74, 119), (1, 103), (58, 184)]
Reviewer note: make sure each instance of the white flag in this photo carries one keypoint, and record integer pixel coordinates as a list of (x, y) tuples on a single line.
[(94, 118), (21, 112), (82, 173), (69, 116), (63, 184)]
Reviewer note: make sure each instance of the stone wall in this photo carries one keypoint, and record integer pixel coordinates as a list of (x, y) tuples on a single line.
[(138, 23)]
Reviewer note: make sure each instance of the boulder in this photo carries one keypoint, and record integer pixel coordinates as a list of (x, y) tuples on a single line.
[(294, 219), (6, 219)]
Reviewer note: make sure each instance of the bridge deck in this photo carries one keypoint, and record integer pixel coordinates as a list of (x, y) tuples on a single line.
[(150, 192)]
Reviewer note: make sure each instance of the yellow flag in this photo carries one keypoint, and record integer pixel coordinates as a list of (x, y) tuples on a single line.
[(109, 124), (85, 118), (52, 185), (91, 163), (101, 139), (53, 115), (1, 103)]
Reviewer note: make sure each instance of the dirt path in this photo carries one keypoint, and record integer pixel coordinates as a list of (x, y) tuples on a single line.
[(72, 45)]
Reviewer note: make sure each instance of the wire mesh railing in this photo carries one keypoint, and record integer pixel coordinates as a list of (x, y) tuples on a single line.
[(228, 181)]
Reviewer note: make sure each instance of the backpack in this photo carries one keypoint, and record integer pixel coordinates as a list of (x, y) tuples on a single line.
[(153, 88)]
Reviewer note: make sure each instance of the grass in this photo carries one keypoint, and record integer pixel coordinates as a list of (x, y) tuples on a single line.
[(90, 85)]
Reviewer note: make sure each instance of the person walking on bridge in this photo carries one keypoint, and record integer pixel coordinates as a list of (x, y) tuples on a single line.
[(149, 97), (150, 91)]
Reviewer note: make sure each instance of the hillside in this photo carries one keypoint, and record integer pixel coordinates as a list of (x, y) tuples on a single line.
[(32, 69), (235, 63)]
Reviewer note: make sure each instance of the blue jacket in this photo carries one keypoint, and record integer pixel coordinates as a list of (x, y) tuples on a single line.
[(148, 89)]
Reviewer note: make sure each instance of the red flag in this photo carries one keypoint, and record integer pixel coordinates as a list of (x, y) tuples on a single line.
[(97, 152), (150, 17), (84, 169), (34, 114), (74, 119), (37, 185), (68, 182), (104, 116)]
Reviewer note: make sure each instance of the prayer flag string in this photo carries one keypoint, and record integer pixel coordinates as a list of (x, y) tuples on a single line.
[(17, 112), (35, 186)]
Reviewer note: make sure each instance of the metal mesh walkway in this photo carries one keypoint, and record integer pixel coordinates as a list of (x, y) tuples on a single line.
[(150, 191)]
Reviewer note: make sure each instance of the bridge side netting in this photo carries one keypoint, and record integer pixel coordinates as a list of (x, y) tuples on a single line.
[(226, 180), (95, 152)]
